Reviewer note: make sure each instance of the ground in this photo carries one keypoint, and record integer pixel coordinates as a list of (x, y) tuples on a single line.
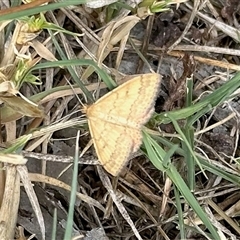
[(194, 48)]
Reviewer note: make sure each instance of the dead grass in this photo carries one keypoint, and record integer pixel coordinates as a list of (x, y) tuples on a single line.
[(42, 87)]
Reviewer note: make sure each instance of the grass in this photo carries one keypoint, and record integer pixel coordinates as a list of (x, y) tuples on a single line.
[(180, 193)]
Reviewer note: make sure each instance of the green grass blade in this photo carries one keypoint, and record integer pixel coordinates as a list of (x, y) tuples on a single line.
[(69, 225), (38, 9), (195, 111), (54, 228), (155, 151)]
